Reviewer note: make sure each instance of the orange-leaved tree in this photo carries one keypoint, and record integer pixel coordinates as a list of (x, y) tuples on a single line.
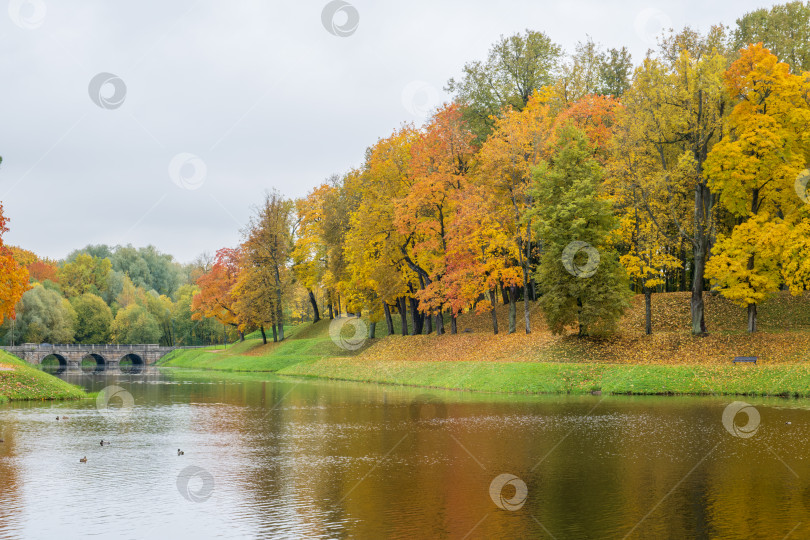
[(215, 298), (440, 161), (506, 160), (13, 276)]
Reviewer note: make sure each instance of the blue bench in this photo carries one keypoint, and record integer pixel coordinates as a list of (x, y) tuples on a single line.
[(745, 359)]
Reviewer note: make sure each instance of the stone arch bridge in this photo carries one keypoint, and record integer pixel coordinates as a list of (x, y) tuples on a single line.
[(107, 357)]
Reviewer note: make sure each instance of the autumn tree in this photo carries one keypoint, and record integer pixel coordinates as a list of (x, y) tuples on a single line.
[(86, 273), (753, 170), (650, 240), (380, 264), (505, 164), (675, 110), (215, 296), (43, 270), (255, 294), (481, 255), (268, 243), (13, 276), (310, 252), (441, 160)]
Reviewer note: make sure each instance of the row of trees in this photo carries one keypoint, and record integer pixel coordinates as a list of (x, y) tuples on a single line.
[(681, 174)]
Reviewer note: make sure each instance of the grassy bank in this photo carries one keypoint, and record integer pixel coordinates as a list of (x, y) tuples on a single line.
[(671, 361), (19, 381), (569, 378)]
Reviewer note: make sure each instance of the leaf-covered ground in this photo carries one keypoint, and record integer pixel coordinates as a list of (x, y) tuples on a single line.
[(669, 361), (19, 381)]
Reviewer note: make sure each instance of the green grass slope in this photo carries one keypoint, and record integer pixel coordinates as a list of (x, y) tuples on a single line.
[(303, 343), (19, 381)]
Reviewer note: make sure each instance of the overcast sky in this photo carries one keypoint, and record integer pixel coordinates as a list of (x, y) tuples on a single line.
[(208, 104)]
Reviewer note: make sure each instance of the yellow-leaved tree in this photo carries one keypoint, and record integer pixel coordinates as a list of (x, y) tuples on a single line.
[(753, 170)]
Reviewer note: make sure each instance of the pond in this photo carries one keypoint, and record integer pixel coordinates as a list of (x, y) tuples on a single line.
[(283, 458)]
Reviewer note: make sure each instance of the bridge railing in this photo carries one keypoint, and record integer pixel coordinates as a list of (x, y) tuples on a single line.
[(97, 346)]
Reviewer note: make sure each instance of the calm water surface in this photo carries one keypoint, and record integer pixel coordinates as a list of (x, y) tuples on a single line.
[(278, 458)]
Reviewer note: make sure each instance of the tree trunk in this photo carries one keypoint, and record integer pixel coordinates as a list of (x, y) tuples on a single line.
[(279, 309), (453, 324), (512, 309), (314, 303), (403, 314), (526, 278), (752, 318), (504, 295), (702, 241), (440, 323), (264, 336), (418, 318), (428, 323), (492, 311), (526, 301), (388, 321), (338, 306), (331, 313), (648, 310), (275, 336), (696, 301), (241, 335), (372, 329)]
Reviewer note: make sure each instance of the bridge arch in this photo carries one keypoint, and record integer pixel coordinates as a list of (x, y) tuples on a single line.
[(58, 368), (131, 363), (100, 362)]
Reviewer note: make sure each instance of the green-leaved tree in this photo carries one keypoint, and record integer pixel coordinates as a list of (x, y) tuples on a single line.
[(581, 280)]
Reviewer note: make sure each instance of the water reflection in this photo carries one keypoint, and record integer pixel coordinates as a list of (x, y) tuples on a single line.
[(268, 457)]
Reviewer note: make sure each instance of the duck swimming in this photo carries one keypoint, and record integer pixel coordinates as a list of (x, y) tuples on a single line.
[(83, 460), (180, 452)]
